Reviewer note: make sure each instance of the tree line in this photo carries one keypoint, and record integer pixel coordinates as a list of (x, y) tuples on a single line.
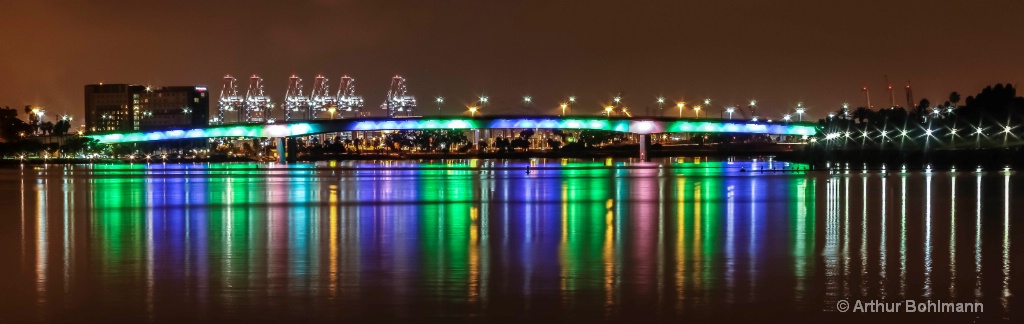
[(991, 118)]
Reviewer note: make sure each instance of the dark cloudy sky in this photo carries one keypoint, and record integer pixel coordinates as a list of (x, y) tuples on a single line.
[(778, 52)]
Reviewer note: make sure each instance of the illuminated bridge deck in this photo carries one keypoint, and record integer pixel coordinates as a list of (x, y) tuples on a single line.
[(637, 125)]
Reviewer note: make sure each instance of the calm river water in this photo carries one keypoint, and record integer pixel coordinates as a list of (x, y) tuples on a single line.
[(487, 240)]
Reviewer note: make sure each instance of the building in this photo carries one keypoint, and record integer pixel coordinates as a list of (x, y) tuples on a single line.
[(173, 107), (123, 107), (111, 107)]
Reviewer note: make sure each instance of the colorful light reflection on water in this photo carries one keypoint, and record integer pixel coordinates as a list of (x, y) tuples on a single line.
[(483, 239)]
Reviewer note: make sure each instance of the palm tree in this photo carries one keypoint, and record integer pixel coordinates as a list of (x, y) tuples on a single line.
[(954, 97)]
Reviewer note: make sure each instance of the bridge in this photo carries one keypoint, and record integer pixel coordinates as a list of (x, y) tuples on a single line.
[(637, 125)]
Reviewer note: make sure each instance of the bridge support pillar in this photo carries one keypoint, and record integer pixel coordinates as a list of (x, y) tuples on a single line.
[(643, 148), (476, 140), (293, 150), (280, 150)]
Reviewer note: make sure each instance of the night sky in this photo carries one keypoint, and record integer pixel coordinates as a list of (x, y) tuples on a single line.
[(780, 53)]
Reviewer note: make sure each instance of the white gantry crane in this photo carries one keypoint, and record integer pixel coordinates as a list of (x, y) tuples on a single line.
[(320, 100), (229, 100), (347, 99), (257, 102), (294, 101), (398, 100)]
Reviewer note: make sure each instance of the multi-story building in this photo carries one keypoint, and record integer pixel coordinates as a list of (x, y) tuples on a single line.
[(123, 107), (111, 107), (173, 107)]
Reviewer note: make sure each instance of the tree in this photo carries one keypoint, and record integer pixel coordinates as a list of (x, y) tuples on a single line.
[(61, 127), (11, 128), (862, 113), (33, 119), (526, 134), (954, 98), (46, 128)]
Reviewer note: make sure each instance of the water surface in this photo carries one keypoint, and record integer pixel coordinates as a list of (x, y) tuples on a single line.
[(487, 240)]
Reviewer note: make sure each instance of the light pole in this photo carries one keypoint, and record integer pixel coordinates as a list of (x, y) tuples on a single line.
[(800, 111), (439, 100), (572, 100), (730, 110), (331, 110), (680, 105), (753, 104), (527, 99), (563, 109), (661, 103), (472, 111), (785, 118), (608, 111), (696, 111)]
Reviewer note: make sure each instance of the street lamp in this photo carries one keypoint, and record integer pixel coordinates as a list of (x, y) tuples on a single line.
[(785, 117), (472, 111), (608, 111), (661, 103), (696, 111), (753, 103), (439, 100), (331, 110), (563, 109), (484, 99), (800, 111), (527, 99), (617, 99), (680, 105), (730, 110)]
